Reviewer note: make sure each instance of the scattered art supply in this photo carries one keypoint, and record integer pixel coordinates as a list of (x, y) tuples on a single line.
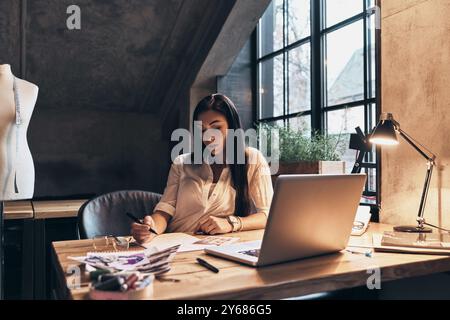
[(146, 261)]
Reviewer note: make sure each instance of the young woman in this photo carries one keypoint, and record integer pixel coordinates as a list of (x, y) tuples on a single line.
[(213, 198)]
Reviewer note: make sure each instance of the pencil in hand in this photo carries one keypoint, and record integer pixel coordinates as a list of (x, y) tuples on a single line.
[(139, 221)]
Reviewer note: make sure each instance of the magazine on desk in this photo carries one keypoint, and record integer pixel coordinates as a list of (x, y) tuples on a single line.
[(145, 261)]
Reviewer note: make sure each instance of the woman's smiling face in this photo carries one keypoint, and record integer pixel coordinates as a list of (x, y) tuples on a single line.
[(214, 131)]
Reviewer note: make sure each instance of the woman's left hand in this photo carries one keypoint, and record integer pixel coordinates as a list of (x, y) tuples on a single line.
[(215, 225)]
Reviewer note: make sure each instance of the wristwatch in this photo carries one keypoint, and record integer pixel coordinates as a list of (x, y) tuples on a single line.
[(234, 222)]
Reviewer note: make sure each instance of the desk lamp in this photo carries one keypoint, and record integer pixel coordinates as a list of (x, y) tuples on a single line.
[(385, 134), (359, 142)]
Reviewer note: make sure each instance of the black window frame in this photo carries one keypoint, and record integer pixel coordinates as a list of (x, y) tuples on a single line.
[(319, 108)]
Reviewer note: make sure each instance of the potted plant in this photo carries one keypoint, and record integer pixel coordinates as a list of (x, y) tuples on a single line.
[(303, 153)]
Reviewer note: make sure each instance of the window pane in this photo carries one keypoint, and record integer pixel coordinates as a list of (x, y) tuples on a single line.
[(278, 123), (339, 10), (345, 64), (372, 70), (271, 87), (299, 25), (343, 123), (372, 122), (271, 29), (371, 181), (345, 120), (299, 79), (302, 124)]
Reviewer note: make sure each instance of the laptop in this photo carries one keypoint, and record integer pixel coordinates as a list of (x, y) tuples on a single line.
[(310, 215)]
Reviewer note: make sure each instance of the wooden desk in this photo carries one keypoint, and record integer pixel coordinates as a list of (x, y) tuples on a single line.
[(235, 281), (19, 214), (57, 209), (34, 217), (56, 213), (15, 210)]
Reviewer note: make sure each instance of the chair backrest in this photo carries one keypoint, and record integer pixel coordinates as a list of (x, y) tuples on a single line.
[(105, 214)]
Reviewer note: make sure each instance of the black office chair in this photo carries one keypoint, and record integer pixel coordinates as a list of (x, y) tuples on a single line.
[(105, 214)]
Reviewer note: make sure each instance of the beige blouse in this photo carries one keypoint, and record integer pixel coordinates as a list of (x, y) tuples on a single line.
[(187, 195)]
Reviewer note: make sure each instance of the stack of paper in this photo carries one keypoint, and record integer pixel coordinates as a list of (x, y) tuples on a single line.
[(145, 261), (157, 255)]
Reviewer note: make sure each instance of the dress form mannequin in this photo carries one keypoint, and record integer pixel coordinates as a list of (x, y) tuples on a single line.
[(16, 162)]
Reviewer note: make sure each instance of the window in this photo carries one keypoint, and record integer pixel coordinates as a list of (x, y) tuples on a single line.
[(317, 70)]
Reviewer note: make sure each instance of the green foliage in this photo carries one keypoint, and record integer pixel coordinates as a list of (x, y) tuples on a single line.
[(299, 145)]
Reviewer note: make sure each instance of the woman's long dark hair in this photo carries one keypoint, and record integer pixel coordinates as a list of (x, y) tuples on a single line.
[(222, 104)]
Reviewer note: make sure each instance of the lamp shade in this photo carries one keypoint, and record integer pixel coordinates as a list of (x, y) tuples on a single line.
[(384, 133)]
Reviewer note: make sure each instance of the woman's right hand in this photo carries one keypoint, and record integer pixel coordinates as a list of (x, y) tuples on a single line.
[(141, 232)]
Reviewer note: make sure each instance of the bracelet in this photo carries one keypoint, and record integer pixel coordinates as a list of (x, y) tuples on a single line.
[(231, 224), (241, 225)]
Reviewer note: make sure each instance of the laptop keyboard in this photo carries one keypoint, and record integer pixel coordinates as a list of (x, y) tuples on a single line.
[(253, 252)]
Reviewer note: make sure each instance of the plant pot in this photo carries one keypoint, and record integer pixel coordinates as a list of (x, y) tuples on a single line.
[(310, 167)]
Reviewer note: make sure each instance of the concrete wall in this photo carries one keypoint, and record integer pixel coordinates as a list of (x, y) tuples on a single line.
[(239, 84), (111, 93), (415, 87), (225, 70)]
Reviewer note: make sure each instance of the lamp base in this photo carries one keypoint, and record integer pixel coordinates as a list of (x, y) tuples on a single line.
[(412, 229)]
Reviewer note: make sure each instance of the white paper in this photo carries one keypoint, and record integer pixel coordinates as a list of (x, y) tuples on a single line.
[(167, 240), (188, 242), (363, 215)]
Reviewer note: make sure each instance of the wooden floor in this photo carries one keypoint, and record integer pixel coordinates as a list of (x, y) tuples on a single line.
[(236, 281)]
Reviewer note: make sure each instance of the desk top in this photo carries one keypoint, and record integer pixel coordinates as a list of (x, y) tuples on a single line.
[(18, 210), (235, 281), (57, 209)]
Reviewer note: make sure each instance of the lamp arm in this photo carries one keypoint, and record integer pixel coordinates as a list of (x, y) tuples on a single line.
[(431, 157), (423, 200)]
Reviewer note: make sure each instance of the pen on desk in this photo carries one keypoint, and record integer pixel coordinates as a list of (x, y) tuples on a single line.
[(367, 253), (139, 221), (207, 265)]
